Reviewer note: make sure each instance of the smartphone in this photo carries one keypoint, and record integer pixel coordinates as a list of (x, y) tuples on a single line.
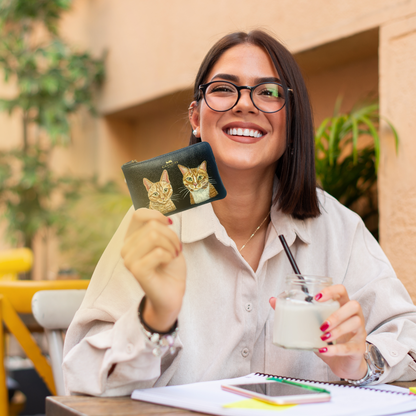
[(280, 392)]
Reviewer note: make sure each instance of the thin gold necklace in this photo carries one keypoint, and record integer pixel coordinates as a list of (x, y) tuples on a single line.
[(252, 235)]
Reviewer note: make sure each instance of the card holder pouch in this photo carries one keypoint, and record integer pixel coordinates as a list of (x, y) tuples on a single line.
[(175, 181)]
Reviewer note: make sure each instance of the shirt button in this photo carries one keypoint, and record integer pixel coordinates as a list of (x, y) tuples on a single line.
[(394, 353), (249, 307), (244, 352), (129, 348)]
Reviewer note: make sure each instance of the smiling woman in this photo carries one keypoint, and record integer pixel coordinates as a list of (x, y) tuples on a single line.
[(261, 58), (250, 103)]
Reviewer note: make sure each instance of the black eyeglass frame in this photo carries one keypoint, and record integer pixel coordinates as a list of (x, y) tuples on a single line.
[(203, 88)]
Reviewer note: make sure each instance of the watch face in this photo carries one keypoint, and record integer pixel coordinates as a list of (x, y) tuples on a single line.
[(376, 359)]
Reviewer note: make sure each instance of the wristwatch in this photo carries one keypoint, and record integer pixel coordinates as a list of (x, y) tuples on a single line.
[(375, 366)]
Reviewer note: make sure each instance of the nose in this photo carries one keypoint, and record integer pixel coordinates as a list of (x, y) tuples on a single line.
[(245, 104)]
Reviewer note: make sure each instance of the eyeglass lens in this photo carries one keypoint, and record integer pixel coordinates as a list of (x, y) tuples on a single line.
[(222, 96)]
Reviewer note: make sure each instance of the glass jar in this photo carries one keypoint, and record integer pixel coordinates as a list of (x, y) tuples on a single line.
[(298, 316)]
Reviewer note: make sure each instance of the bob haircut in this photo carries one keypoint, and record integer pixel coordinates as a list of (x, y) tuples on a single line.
[(296, 194)]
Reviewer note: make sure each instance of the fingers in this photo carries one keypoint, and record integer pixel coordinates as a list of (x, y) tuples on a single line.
[(143, 267), (345, 333), (142, 216), (348, 318), (149, 243), (335, 292), (347, 329), (150, 247), (350, 309), (150, 235), (349, 349), (344, 324)]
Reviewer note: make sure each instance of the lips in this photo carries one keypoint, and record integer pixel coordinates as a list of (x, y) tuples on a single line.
[(244, 132)]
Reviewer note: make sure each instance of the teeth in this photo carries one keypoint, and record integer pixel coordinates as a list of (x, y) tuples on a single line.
[(244, 132)]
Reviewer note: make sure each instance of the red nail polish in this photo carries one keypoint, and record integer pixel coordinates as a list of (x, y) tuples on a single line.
[(324, 326), (325, 336), (318, 296), (170, 221), (322, 350)]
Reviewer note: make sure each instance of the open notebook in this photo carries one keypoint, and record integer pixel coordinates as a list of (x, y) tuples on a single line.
[(208, 397)]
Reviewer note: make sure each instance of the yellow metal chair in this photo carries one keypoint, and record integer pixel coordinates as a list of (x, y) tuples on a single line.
[(15, 261), (15, 298)]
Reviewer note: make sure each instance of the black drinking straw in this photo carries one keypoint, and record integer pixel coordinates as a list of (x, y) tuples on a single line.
[(295, 267)]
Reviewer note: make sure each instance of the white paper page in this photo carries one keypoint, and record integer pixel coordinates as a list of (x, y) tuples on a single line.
[(388, 387), (345, 400)]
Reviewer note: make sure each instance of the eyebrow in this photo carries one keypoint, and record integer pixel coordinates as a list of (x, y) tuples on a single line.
[(235, 78)]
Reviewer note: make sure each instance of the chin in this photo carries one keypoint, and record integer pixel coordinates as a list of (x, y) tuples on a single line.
[(242, 164)]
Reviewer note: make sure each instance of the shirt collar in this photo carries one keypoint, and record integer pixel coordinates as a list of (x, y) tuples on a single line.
[(287, 225), (200, 222)]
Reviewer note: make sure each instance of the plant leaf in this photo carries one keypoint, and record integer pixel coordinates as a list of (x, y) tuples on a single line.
[(395, 134), (354, 138), (333, 139), (375, 136)]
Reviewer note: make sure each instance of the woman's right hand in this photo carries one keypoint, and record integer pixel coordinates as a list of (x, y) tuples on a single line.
[(152, 252)]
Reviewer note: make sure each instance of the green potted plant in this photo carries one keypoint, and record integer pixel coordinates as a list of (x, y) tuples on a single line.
[(347, 157)]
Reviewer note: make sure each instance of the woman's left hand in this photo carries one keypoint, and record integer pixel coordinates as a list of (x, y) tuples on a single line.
[(346, 326)]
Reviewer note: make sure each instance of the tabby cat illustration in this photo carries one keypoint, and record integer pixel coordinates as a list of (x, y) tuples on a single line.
[(160, 194), (196, 181)]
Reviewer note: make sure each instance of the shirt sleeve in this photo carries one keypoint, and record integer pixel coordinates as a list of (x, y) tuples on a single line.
[(87, 365), (106, 331), (389, 312)]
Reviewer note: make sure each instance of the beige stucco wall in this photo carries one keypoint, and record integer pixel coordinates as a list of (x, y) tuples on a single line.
[(155, 48), (153, 52), (397, 179)]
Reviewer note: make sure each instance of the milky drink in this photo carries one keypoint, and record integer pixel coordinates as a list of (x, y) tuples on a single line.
[(297, 321)]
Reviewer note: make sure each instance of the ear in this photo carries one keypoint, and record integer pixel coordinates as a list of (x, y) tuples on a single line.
[(165, 176), (203, 166), (183, 169), (147, 183), (193, 114)]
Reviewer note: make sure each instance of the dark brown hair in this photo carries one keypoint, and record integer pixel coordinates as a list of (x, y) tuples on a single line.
[(296, 168)]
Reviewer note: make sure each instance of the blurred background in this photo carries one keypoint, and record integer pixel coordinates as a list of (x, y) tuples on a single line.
[(88, 85)]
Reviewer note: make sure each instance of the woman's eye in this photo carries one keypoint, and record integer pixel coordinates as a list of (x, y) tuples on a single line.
[(221, 88), (268, 92)]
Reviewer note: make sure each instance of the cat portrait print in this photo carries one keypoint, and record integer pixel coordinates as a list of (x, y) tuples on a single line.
[(197, 184), (160, 194)]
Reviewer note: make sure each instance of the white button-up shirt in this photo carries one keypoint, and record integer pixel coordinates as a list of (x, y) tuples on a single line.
[(226, 322)]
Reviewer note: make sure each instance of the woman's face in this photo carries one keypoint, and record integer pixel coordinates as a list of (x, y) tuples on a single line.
[(243, 65)]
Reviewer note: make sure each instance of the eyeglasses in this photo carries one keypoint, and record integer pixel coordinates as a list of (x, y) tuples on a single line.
[(221, 96)]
